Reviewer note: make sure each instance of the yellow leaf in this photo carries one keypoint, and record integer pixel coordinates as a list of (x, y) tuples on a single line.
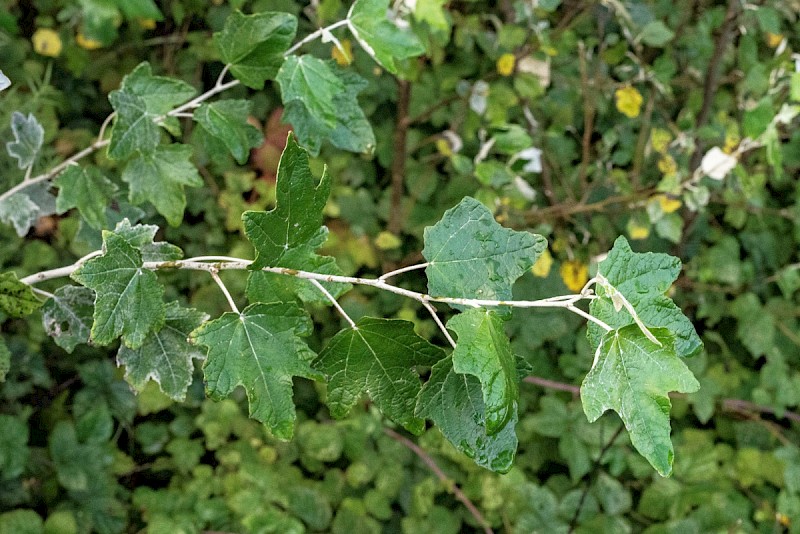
[(732, 140), (86, 43), (574, 274), (443, 146), (387, 241), (46, 42), (147, 24), (542, 266), (774, 39), (637, 230), (667, 165), (343, 57), (660, 139), (667, 204), (505, 64), (629, 101)]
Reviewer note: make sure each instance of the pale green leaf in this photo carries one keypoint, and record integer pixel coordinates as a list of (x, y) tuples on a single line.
[(24, 208), (166, 355), (380, 37), (455, 403), (28, 137), (16, 298), (351, 129), (254, 45), (378, 358), (471, 256), (5, 83), (643, 279), (160, 176), (433, 13), (261, 350), (88, 190), (632, 376), (140, 9), (656, 34), (227, 121), (128, 299), (484, 351), (67, 317)]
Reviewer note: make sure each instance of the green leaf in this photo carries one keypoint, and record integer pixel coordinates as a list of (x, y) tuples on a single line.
[(312, 82), (128, 300), (21, 521), (656, 34), (642, 279), (632, 376), (351, 130), (141, 237), (13, 446), (455, 403), (16, 298), (261, 350), (484, 351), (28, 137), (166, 355), (381, 38), (140, 9), (159, 177), (5, 361), (378, 358), (67, 317), (88, 190), (253, 45), (24, 208), (471, 256), (140, 99), (227, 121)]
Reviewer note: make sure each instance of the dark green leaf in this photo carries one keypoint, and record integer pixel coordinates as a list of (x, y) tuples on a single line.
[(16, 299), (381, 38), (455, 403), (128, 299), (88, 190), (642, 279), (28, 137), (5, 361), (261, 350), (253, 45), (13, 446), (378, 358), (311, 82), (484, 351), (140, 237), (166, 355), (471, 256), (159, 177), (67, 317), (227, 121), (140, 9), (632, 376)]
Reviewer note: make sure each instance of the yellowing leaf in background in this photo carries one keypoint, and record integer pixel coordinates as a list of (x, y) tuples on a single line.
[(667, 165), (343, 58), (542, 266), (505, 64), (660, 139), (46, 42), (774, 39), (667, 204), (86, 43), (575, 274), (629, 101), (637, 230)]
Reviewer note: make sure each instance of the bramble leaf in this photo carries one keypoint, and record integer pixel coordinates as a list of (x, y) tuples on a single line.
[(454, 402), (471, 256), (67, 317), (261, 350), (227, 121), (642, 279), (17, 299), (166, 355), (632, 376), (484, 351), (159, 177), (253, 45), (28, 137), (381, 38), (377, 358), (351, 129), (88, 190), (128, 300)]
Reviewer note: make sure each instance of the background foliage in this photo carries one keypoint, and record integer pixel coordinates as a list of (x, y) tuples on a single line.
[(580, 121)]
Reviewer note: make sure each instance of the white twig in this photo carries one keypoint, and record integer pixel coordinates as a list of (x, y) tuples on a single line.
[(215, 275), (60, 272), (614, 294), (222, 75), (315, 35), (336, 305), (590, 317), (43, 293), (403, 270), (439, 323), (195, 102), (105, 125)]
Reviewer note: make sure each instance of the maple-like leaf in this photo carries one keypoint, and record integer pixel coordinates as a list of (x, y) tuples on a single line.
[(261, 350), (88, 190)]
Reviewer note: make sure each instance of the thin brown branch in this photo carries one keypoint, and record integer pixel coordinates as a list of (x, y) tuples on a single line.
[(395, 224), (441, 475)]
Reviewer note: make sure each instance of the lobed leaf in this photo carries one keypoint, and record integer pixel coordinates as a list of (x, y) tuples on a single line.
[(633, 376), (261, 350), (140, 237), (88, 190), (380, 37), (378, 358), (67, 317), (253, 45), (227, 121), (17, 299), (28, 138), (128, 300)]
